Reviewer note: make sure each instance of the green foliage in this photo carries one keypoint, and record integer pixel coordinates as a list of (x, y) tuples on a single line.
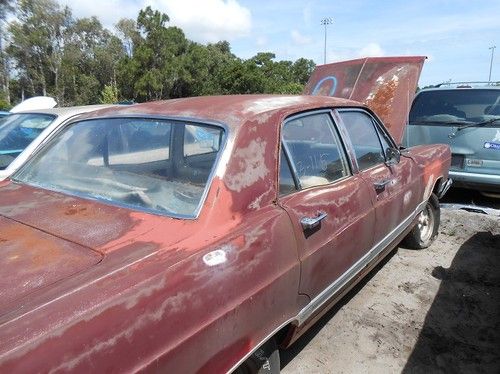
[(4, 104), (109, 95), (80, 62)]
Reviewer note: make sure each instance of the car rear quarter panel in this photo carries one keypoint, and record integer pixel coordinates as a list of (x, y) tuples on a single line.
[(173, 319)]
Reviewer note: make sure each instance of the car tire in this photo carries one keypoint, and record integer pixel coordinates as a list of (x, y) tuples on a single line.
[(426, 229), (266, 360)]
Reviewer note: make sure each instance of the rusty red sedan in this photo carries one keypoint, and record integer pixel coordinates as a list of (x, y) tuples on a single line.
[(201, 234)]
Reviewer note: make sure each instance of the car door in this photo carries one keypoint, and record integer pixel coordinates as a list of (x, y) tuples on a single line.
[(327, 204), (394, 189)]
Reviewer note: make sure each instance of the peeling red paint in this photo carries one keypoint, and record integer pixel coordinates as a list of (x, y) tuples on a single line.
[(124, 290)]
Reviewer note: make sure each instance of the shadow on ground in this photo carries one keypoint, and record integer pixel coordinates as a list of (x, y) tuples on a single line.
[(464, 196), (461, 332)]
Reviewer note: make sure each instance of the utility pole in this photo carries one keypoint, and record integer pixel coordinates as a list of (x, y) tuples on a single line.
[(491, 62), (325, 22)]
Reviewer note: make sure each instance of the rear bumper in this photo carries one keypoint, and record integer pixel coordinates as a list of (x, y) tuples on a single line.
[(476, 181)]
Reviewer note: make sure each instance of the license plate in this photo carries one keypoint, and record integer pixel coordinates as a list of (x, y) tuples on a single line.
[(474, 163)]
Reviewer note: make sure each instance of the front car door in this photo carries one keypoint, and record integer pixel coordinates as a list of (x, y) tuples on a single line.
[(395, 190), (328, 204)]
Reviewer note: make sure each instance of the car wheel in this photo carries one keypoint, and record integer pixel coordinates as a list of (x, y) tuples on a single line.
[(266, 359), (425, 231)]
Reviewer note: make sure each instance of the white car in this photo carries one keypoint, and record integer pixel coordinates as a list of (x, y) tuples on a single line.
[(22, 132)]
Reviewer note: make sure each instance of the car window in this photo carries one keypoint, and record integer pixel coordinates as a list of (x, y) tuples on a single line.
[(364, 138), (287, 183), (200, 140), (314, 150), (457, 105), (134, 143), (17, 131), (128, 161)]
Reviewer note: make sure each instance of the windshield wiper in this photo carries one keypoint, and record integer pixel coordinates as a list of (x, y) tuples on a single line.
[(423, 122), (472, 124), (482, 123)]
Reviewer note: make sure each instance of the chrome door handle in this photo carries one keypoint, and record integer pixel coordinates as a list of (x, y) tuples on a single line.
[(380, 186), (311, 222)]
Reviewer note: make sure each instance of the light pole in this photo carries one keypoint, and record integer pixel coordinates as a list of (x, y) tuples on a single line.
[(491, 61), (325, 22)]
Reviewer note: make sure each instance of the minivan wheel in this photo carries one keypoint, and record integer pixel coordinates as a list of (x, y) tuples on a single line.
[(266, 359), (425, 231)]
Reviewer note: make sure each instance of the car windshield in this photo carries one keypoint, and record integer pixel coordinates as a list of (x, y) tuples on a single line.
[(456, 107), (161, 166), (17, 131)]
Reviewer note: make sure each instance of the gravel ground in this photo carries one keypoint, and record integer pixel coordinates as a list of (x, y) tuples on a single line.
[(430, 311)]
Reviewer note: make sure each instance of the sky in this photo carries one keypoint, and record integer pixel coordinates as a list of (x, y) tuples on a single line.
[(455, 35)]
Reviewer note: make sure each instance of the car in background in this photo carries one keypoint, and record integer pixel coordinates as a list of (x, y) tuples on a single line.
[(197, 235), (467, 117), (22, 132)]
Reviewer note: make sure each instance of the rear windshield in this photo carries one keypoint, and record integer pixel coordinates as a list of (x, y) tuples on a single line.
[(17, 131), (156, 165), (458, 105)]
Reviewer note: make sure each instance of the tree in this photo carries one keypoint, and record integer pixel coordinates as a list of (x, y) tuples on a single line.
[(128, 35), (90, 61), (37, 41), (6, 8), (155, 71), (109, 95)]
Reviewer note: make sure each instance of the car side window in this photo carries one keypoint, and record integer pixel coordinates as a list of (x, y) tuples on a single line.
[(201, 140), (314, 150), (364, 138), (287, 183)]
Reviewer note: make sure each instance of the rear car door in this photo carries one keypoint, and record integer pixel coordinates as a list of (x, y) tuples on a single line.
[(333, 218), (394, 187)]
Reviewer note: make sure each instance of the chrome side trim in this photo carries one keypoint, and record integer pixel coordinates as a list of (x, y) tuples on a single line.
[(333, 288)]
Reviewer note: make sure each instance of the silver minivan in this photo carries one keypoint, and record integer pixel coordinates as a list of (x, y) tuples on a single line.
[(468, 119)]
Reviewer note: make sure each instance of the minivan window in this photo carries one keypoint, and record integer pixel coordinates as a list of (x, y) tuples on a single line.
[(455, 106)]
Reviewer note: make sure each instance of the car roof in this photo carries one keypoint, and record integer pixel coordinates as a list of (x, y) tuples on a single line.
[(232, 110), (461, 87), (67, 111)]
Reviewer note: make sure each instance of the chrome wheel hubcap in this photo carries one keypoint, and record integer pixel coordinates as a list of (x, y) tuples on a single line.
[(426, 223)]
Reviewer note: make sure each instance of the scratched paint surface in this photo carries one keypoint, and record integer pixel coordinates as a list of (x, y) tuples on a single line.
[(385, 84), (100, 286)]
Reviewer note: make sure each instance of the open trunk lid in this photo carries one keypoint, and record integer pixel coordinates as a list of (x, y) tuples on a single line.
[(386, 85)]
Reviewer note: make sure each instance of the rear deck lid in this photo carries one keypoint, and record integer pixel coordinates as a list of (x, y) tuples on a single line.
[(31, 259), (385, 84)]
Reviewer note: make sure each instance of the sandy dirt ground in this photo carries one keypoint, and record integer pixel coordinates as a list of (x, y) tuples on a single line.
[(430, 311)]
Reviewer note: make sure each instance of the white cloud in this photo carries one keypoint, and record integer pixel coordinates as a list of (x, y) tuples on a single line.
[(371, 50), (108, 12), (201, 20), (208, 20), (299, 39)]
